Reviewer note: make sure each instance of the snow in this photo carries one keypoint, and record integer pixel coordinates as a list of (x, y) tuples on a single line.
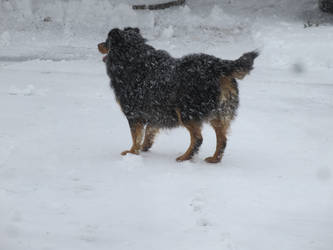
[(64, 184)]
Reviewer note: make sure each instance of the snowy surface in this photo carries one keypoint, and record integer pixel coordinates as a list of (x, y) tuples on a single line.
[(63, 183)]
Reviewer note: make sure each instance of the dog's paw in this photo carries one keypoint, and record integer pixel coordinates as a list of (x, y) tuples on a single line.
[(144, 149), (183, 158), (212, 159), (135, 152)]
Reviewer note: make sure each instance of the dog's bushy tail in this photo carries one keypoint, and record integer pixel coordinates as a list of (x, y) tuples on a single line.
[(244, 64)]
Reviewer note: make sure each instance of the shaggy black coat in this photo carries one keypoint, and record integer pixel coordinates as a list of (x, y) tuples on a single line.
[(150, 85)]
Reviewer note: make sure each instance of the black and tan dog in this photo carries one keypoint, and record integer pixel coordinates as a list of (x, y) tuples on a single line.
[(157, 91)]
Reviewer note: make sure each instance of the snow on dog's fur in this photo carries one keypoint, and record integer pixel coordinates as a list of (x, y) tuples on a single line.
[(157, 91)]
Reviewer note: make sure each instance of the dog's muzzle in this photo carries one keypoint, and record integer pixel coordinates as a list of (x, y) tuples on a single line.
[(102, 48)]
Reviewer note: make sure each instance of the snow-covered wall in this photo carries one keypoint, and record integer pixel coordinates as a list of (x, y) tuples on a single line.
[(35, 26), (88, 18)]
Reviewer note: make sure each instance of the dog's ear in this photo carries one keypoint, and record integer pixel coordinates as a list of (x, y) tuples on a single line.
[(115, 36), (137, 30)]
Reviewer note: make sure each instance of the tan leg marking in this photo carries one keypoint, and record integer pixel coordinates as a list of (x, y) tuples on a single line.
[(227, 89), (220, 128), (136, 131), (196, 140), (179, 117), (149, 138)]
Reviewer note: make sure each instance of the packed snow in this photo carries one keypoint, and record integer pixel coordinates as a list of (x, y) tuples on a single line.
[(64, 184)]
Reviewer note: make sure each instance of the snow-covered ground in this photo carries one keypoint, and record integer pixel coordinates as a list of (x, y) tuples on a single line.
[(63, 183)]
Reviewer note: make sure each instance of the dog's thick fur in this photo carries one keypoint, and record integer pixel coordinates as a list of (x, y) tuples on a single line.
[(158, 91)]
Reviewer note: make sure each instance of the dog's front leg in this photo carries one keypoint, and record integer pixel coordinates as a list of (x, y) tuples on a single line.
[(149, 138), (136, 132)]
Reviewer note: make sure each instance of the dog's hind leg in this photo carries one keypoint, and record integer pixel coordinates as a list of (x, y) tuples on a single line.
[(136, 132), (221, 128), (196, 140), (149, 137)]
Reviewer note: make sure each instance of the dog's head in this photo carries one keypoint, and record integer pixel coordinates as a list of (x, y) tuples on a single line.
[(118, 38)]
